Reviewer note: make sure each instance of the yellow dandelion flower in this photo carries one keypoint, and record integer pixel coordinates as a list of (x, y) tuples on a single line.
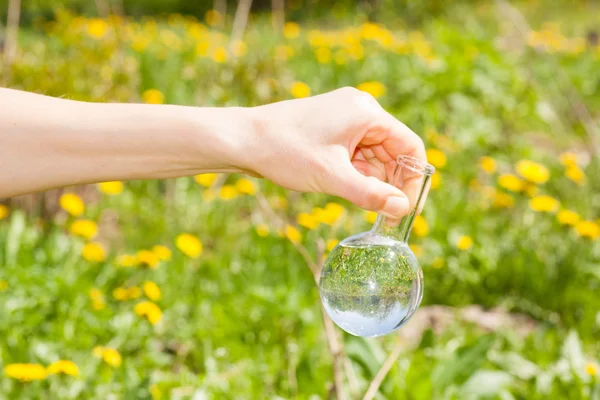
[(155, 392), (568, 159), (374, 88), (85, 228), (262, 230), (307, 220), (464, 242), (533, 172), (219, 55), (151, 290), (416, 249), (544, 203), (213, 17), (153, 96), (93, 252), (72, 204), (341, 57), (162, 252), (97, 297), (134, 292), (111, 188), (332, 213), (189, 245), (323, 55), (420, 227), (126, 260), (97, 351), (511, 182), (120, 294), (63, 367), (487, 164), (293, 234), (25, 372), (568, 217), (3, 285), (291, 30), (228, 192), (149, 310), (502, 200), (299, 90), (205, 179), (148, 258), (588, 229), (436, 158), (576, 174), (438, 263), (370, 216), (112, 357), (530, 189), (591, 369), (245, 186), (331, 243), (97, 27), (4, 211), (436, 181)]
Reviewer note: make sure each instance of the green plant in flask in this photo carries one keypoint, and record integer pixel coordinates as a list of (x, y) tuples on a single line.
[(371, 283)]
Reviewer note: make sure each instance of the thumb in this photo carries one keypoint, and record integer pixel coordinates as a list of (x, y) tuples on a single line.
[(368, 192)]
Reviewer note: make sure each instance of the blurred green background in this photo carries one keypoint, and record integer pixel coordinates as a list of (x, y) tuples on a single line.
[(200, 287)]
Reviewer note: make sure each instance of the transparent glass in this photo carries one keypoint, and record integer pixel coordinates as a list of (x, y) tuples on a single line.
[(371, 283)]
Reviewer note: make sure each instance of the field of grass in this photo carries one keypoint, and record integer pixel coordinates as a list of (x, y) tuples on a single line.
[(201, 287)]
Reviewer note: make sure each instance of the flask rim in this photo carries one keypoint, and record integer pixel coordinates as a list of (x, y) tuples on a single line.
[(415, 165)]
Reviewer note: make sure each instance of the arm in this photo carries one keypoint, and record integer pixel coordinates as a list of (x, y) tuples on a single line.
[(339, 143)]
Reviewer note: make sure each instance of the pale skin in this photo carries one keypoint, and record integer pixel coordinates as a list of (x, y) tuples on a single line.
[(339, 143)]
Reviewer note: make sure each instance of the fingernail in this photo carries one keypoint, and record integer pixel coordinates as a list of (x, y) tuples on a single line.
[(395, 206)]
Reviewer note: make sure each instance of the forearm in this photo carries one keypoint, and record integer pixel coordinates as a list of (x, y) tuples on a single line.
[(47, 142)]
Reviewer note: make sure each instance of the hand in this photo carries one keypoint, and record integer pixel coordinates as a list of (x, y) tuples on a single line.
[(342, 143)]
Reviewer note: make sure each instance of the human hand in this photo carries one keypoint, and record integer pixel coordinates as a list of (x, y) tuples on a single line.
[(342, 143)]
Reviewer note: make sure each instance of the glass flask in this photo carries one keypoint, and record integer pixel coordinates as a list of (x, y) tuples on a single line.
[(371, 283)]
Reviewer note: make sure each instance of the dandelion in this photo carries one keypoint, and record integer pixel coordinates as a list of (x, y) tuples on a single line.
[(544, 203), (245, 186), (331, 243), (438, 263), (511, 182), (464, 242), (219, 55), (331, 213), (568, 217), (299, 90), (228, 192), (162, 252), (189, 245), (591, 369), (420, 227), (4, 211), (151, 290), (25, 372), (98, 302), (120, 294), (307, 220), (3, 285), (574, 173), (149, 310), (97, 27), (63, 367), (291, 30), (134, 292), (85, 228), (293, 234), (370, 216), (568, 159), (155, 392), (72, 204), (487, 164), (126, 260), (533, 172), (502, 200), (436, 158), (93, 252), (374, 88), (153, 96), (205, 179), (588, 229), (109, 355), (148, 258), (262, 230), (213, 18), (323, 55), (436, 181), (416, 249), (111, 188)]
